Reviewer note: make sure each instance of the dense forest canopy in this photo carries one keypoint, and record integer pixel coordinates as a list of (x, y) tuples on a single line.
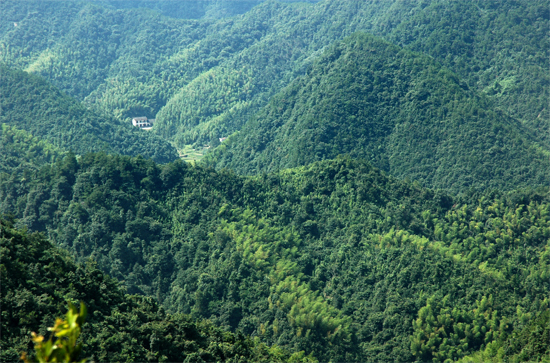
[(411, 117), (21, 150), (335, 259), (38, 279), (383, 193), (205, 77), (193, 9)]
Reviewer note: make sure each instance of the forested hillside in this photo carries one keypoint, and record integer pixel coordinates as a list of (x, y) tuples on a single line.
[(188, 9), (21, 150), (38, 279), (206, 77), (383, 193), (411, 117), (336, 259), (193, 9), (527, 345), (29, 104)]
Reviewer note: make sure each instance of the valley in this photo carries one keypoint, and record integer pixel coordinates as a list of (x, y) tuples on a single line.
[(282, 181)]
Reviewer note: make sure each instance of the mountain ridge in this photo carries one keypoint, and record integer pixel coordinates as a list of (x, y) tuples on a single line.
[(401, 110), (501, 51)]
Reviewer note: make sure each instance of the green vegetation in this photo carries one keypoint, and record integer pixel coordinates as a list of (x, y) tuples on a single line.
[(37, 279), (65, 347), (334, 259), (30, 104), (189, 153), (527, 345), (209, 76), (393, 202), (189, 9), (22, 150), (401, 110), (502, 50)]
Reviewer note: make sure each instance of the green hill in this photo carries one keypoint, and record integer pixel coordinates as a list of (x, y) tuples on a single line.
[(401, 110), (501, 49), (428, 240), (30, 104), (489, 47), (38, 279), (335, 258), (205, 78)]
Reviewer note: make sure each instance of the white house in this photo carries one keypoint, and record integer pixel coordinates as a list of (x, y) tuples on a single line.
[(143, 122)]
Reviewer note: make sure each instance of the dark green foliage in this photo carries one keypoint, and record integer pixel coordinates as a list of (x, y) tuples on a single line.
[(531, 343), (38, 278), (335, 259), (30, 104), (501, 49), (408, 115)]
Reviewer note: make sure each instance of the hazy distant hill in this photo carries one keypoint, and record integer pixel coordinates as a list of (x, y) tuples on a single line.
[(31, 104), (213, 74), (192, 9), (410, 116)]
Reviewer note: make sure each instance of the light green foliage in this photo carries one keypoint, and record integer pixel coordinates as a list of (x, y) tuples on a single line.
[(23, 150), (499, 239), (442, 332), (181, 117), (65, 347), (273, 251)]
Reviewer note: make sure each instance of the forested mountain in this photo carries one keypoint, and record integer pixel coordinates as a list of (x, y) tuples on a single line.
[(428, 240), (500, 48), (206, 77), (188, 9), (193, 9), (336, 258), (38, 279), (410, 116), (29, 104)]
